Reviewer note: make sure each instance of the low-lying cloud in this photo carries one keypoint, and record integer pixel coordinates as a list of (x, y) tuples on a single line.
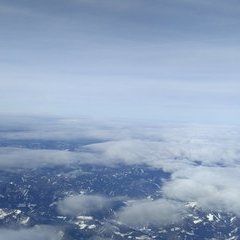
[(36, 233), (83, 205), (146, 212), (15, 158), (203, 160), (213, 188)]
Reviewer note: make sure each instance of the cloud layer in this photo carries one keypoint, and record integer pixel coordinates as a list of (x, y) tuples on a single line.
[(213, 188), (36, 233), (14, 158), (83, 205), (146, 212), (203, 160)]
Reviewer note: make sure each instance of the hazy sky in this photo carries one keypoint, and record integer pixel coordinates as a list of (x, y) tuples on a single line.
[(164, 60)]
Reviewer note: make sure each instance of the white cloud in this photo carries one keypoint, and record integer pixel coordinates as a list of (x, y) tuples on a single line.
[(36, 233), (83, 204), (171, 155), (146, 212), (214, 188), (28, 158), (203, 159)]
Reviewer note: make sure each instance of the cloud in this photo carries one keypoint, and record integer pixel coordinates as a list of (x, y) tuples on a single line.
[(27, 158), (36, 233), (167, 153), (214, 188), (203, 162), (203, 159), (83, 205), (65, 129), (147, 212), (137, 212)]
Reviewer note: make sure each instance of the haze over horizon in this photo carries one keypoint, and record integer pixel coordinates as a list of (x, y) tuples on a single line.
[(175, 61)]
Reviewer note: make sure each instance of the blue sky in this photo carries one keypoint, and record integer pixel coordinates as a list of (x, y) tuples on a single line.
[(172, 60)]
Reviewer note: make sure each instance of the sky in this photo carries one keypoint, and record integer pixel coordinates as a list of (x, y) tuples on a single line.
[(161, 60)]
